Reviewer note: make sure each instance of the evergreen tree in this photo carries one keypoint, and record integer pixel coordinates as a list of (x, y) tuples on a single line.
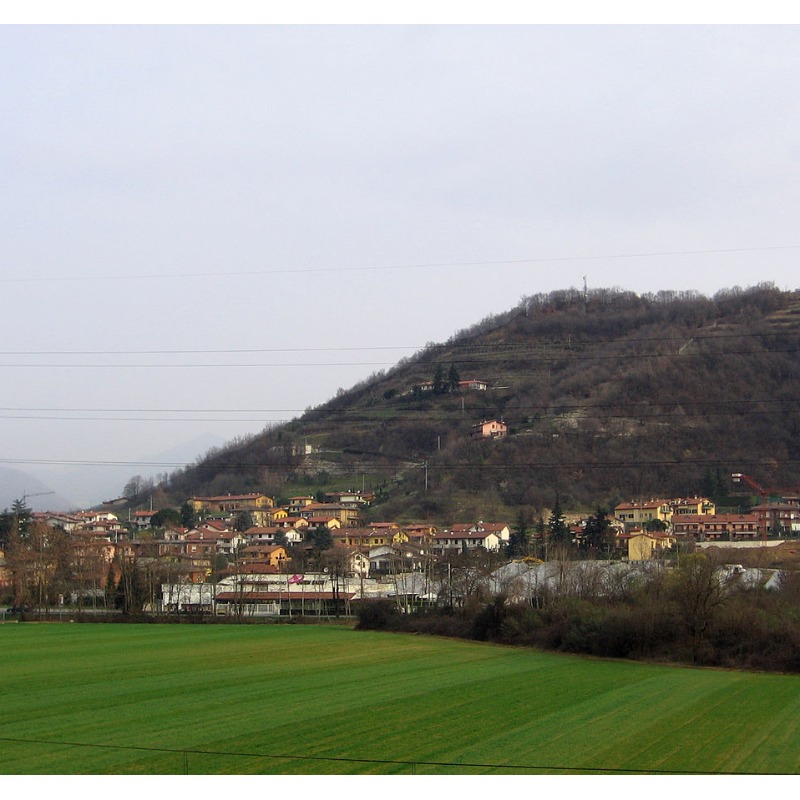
[(721, 489), (598, 534), (111, 588), (518, 541), (21, 515), (439, 384), (165, 517), (320, 538), (709, 484), (188, 515), (453, 379), (244, 520), (557, 525)]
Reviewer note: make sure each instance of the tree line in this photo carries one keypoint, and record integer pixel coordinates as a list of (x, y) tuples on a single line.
[(694, 612)]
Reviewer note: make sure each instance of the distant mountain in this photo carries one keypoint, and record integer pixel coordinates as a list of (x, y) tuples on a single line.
[(607, 395), (16, 484), (90, 485)]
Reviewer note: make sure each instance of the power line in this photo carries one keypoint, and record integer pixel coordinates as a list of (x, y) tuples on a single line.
[(550, 415), (415, 461), (510, 347), (492, 359), (30, 418), (387, 267), (521, 407), (351, 760), (200, 366), (198, 352)]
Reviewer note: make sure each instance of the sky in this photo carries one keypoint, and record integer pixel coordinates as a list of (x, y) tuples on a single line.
[(207, 229)]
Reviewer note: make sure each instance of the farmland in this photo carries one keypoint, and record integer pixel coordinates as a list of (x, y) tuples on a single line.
[(291, 699)]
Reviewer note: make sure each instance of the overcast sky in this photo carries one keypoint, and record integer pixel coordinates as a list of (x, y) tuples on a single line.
[(206, 229)]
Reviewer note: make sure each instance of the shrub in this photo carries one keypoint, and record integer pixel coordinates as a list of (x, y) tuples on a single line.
[(376, 615), (487, 623)]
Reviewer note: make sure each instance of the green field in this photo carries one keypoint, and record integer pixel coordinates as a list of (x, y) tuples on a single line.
[(268, 699)]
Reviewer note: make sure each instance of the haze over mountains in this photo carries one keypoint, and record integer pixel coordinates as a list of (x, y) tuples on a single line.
[(66, 487), (17, 484)]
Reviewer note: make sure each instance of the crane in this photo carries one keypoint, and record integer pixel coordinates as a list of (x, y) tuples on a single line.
[(25, 495), (740, 477)]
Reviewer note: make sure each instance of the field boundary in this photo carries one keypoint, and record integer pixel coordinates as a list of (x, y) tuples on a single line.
[(413, 766)]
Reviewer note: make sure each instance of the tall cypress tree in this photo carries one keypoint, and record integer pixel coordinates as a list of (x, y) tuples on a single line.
[(557, 524), (518, 541)]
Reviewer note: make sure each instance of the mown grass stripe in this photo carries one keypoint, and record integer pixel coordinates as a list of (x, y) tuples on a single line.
[(367, 702)]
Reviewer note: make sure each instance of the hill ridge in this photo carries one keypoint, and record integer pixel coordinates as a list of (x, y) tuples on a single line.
[(606, 394)]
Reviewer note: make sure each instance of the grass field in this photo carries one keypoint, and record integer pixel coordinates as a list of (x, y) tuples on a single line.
[(163, 699)]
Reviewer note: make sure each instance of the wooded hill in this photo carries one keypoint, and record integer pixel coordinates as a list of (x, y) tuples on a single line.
[(607, 395)]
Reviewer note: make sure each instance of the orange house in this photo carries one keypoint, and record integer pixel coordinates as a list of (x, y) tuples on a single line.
[(490, 429)]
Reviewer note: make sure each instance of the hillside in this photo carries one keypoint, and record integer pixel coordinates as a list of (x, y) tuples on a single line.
[(607, 395)]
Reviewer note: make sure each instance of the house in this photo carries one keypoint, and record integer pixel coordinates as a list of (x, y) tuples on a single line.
[(778, 516), (297, 504), (344, 514), (464, 541), (67, 522), (292, 523), (259, 534), (693, 505), (317, 523), (198, 543), (716, 527), (91, 517), (384, 526), (272, 555), (90, 559), (362, 537), (500, 528), (490, 429), (473, 386), (293, 535), (639, 513), (387, 559), (99, 522), (141, 519), (643, 546), (351, 498), (187, 596), (260, 594), (419, 533), (231, 503), (213, 527)]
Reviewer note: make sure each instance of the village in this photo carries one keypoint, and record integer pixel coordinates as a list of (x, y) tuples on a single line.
[(241, 555)]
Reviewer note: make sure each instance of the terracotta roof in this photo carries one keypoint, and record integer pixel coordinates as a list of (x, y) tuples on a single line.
[(632, 506)]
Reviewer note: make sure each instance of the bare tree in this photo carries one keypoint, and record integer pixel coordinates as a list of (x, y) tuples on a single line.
[(696, 590)]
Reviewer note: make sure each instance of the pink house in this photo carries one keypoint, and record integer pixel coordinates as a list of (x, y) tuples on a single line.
[(491, 429)]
